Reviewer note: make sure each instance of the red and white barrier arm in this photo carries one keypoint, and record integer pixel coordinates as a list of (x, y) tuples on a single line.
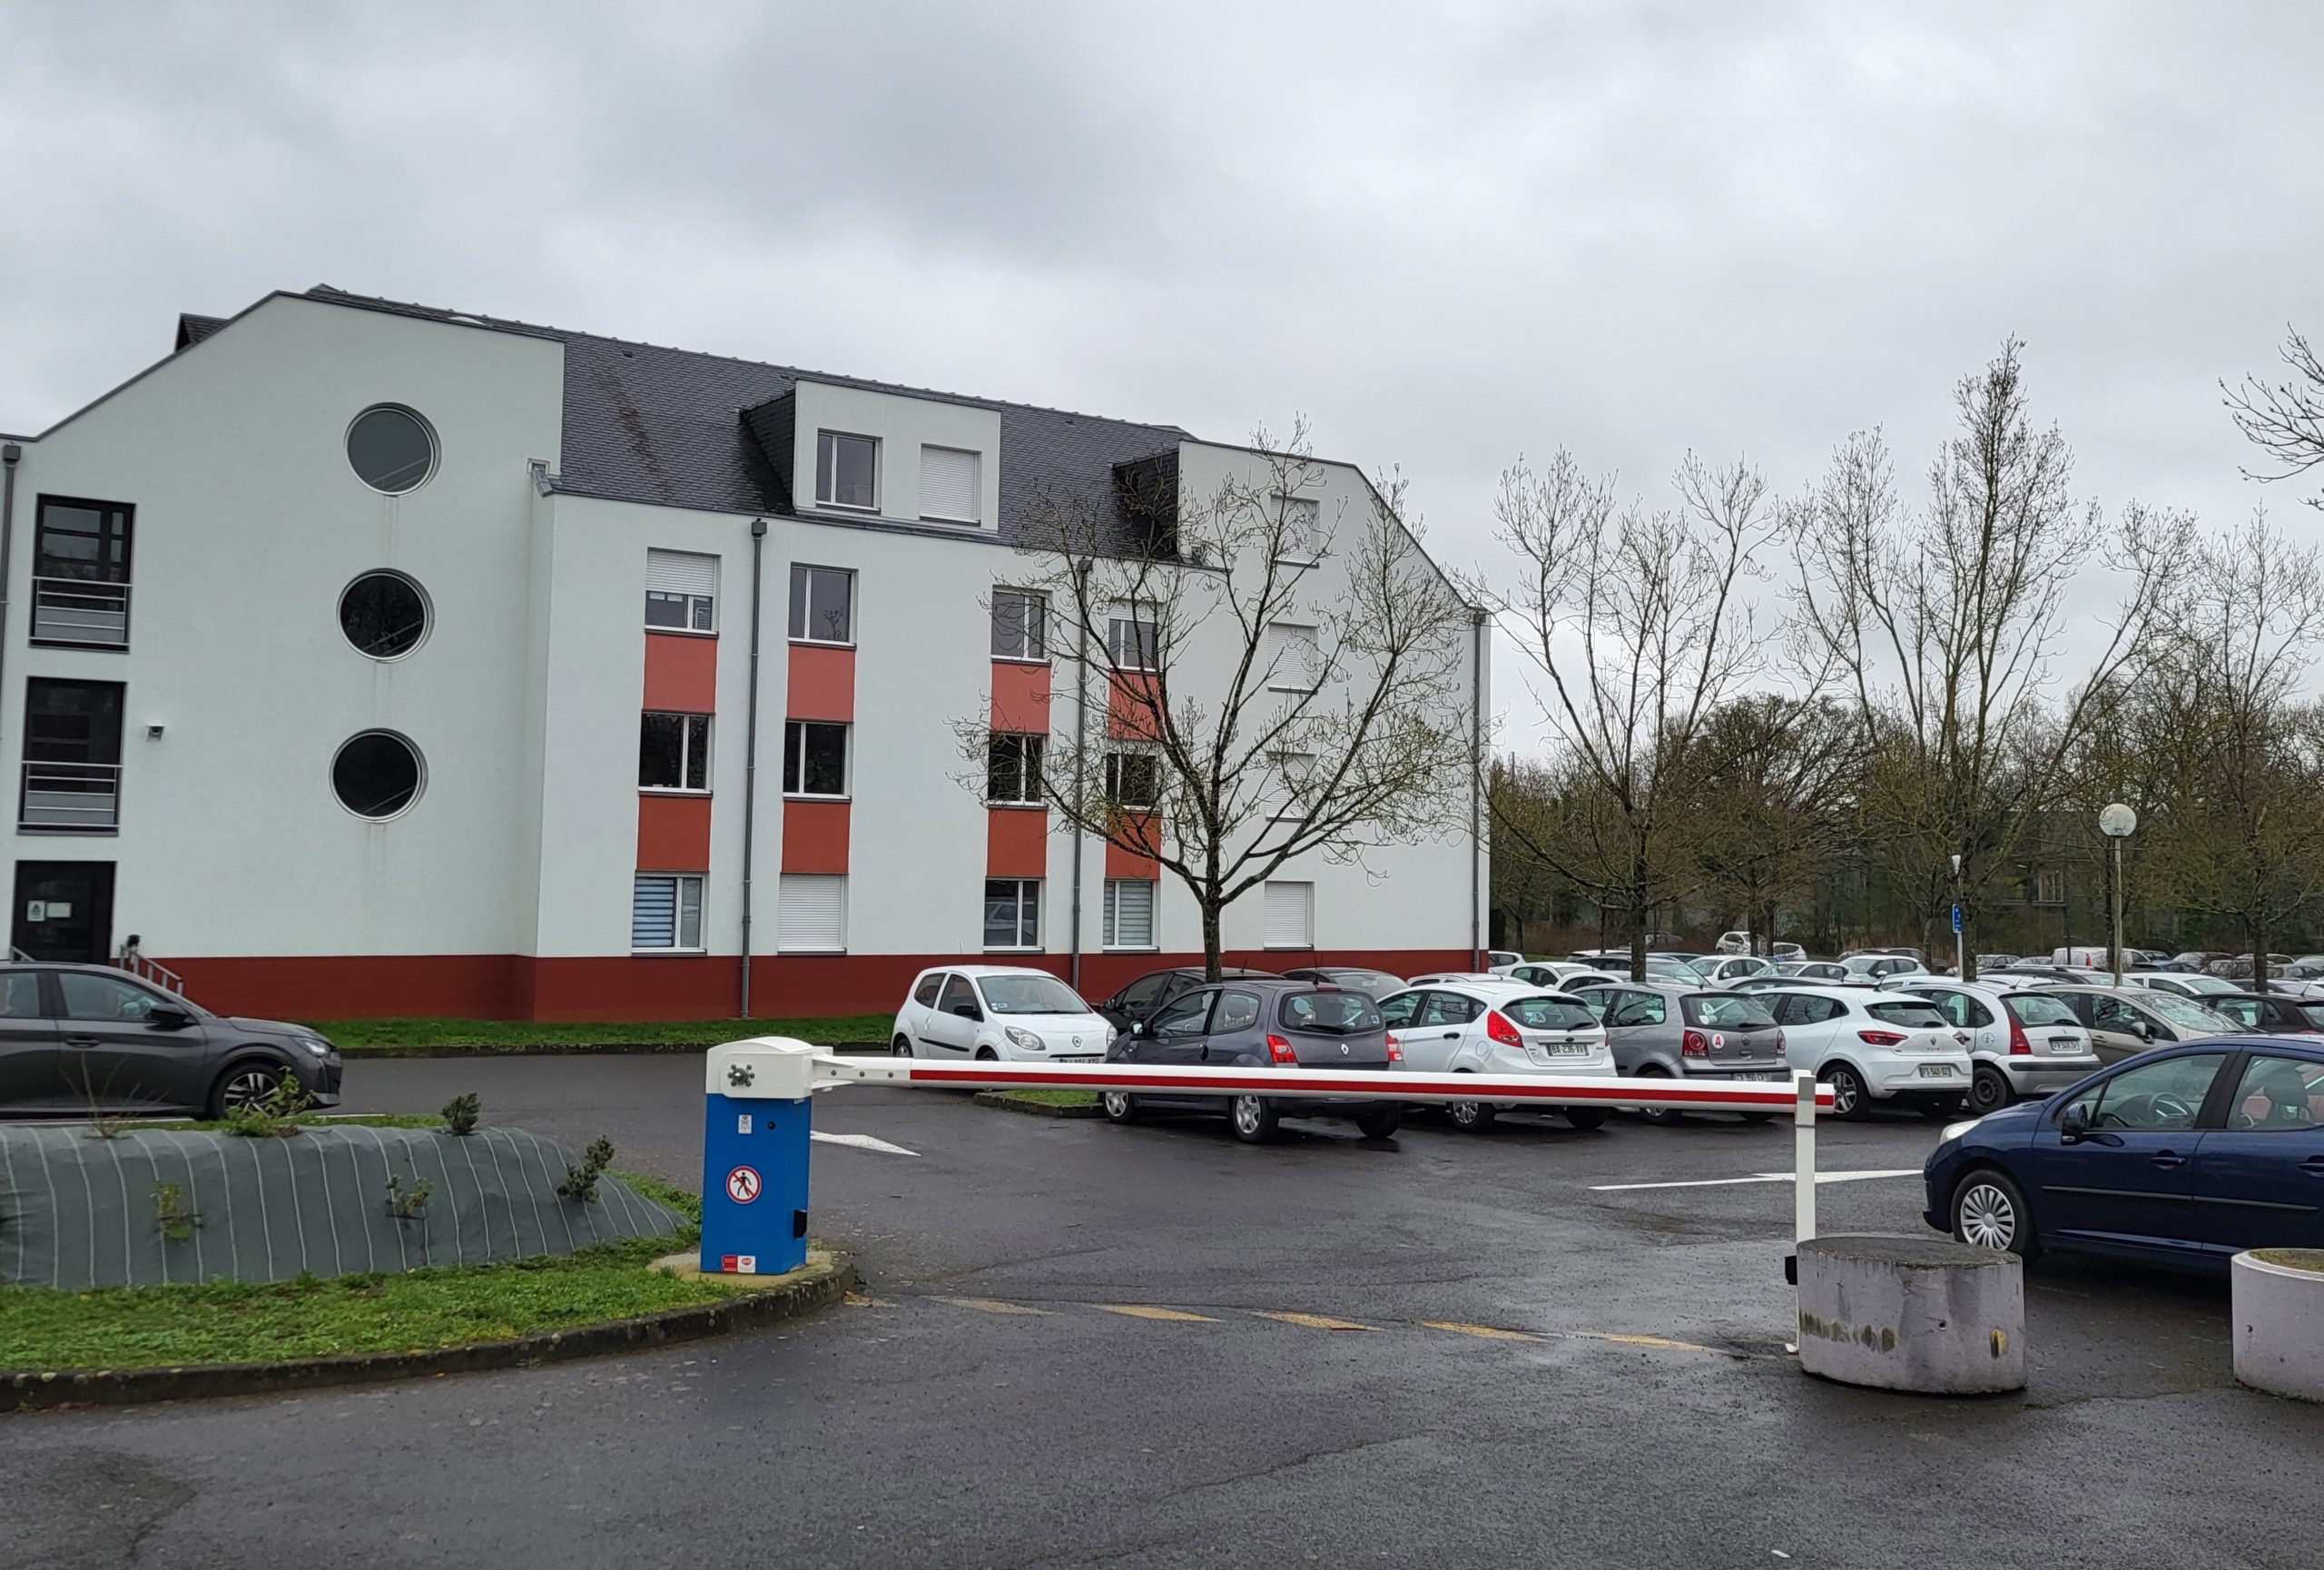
[(1696, 1094)]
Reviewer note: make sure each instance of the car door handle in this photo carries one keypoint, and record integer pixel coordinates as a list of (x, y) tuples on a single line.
[(82, 1042), (2167, 1160), (1452, 1035), (2313, 1166)]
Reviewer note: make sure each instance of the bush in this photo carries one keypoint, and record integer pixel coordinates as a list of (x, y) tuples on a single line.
[(461, 1113), (581, 1182), (274, 1118)]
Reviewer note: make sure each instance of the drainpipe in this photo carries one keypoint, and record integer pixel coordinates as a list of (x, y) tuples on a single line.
[(1476, 788), (9, 457), (1080, 751), (751, 751)]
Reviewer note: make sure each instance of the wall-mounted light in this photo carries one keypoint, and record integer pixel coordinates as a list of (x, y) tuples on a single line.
[(154, 732)]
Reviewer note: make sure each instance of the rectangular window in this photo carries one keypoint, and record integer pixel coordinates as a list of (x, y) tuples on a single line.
[(674, 752), (1012, 771), (2050, 888), (1129, 913), (666, 911), (822, 605), (1292, 772), (1302, 537), (847, 471), (814, 758), (1294, 660), (1134, 779), (811, 913), (80, 572), (1019, 624), (1012, 912), (1131, 642), (1289, 919), (949, 487), (681, 590)]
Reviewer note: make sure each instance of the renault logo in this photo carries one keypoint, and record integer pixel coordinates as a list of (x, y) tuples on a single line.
[(1077, 1040), (1343, 1048)]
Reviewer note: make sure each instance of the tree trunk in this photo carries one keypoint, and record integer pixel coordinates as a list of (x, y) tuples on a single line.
[(1639, 911), (1212, 969), (2258, 927)]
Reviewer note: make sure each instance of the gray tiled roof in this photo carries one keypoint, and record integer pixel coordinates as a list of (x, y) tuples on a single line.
[(192, 329), (666, 427)]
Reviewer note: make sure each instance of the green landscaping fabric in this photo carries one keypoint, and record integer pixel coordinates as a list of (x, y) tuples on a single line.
[(80, 1212)]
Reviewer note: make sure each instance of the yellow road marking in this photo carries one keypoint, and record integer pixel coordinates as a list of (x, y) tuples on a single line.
[(1148, 1311), (1310, 1321), (1489, 1332), (1661, 1341), (990, 1305)]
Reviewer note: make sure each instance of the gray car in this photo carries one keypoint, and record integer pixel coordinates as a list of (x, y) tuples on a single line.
[(83, 1039), (2123, 1024), (1671, 1031)]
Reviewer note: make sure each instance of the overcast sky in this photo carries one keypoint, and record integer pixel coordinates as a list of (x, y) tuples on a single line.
[(1449, 235)]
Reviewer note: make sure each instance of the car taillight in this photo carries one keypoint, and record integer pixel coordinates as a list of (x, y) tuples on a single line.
[(1498, 1027), (2019, 1047), (1695, 1044), (1396, 1052), (1779, 1042), (1280, 1050), (1881, 1038)]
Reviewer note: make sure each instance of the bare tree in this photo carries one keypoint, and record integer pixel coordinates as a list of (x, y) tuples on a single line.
[(1946, 625), (1264, 682), (1773, 783), (1634, 623), (2285, 420)]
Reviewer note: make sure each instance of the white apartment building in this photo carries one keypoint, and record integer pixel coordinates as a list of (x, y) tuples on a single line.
[(361, 658)]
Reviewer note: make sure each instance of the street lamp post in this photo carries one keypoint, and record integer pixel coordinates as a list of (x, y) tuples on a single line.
[(2116, 821)]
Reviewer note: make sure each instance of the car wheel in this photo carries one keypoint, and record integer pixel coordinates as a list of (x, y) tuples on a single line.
[(245, 1085), (1254, 1119), (1381, 1124), (1586, 1118), (1989, 1089), (1471, 1117), (1120, 1106), (1989, 1213), (1848, 1098), (902, 1047), (1661, 1117), (987, 1055)]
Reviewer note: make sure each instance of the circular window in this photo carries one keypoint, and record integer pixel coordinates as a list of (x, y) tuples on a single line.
[(376, 774), (391, 449), (383, 615)]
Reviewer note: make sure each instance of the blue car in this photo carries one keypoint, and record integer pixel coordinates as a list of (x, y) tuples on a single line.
[(2185, 1156)]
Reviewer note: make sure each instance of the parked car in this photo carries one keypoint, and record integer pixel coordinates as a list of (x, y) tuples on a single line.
[(1667, 1030), (1881, 964), (2125, 1023), (1782, 952), (1550, 975), (1731, 968), (1498, 1027), (1995, 962), (2197, 987), (1434, 977), (2240, 965), (2269, 1013), (1139, 1000), (2030, 972), (1007, 1014), (1734, 943), (1873, 1046), (1261, 1023), (2022, 1041), (2185, 1156), (1377, 983), (94, 1040), (1814, 971), (1501, 959)]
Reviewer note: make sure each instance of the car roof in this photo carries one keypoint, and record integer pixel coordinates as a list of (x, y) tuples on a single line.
[(982, 971), (1846, 994)]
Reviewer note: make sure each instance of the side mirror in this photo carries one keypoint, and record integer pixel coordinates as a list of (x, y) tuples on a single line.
[(2073, 1126), (1137, 1028), (2141, 1030), (967, 1011), (162, 1017)]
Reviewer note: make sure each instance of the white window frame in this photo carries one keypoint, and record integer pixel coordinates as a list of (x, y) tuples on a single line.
[(685, 751), (1305, 553), (807, 606), (825, 441), (687, 599), (1114, 780), (846, 762), (976, 483), (1287, 773), (1035, 750), (1267, 898), (1110, 927), (784, 883), (1020, 946), (1037, 605), (1286, 651), (1133, 616), (678, 883)]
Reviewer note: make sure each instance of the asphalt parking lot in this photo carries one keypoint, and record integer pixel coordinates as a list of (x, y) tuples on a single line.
[(1085, 1345)]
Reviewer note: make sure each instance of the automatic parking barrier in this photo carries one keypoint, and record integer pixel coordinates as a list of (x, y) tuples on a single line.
[(757, 1120)]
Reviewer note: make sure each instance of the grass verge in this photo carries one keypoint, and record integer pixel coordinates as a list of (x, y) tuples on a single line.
[(1053, 1103), (356, 1037), (417, 1310)]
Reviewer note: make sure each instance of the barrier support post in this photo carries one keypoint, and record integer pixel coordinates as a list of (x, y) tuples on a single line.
[(1803, 1158)]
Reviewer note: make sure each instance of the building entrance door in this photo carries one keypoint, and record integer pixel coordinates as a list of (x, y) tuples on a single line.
[(64, 911)]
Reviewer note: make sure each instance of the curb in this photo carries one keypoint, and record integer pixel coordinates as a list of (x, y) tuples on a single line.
[(560, 1049), (818, 1287), (1009, 1103)]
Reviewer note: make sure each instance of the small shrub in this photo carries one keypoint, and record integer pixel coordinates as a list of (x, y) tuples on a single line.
[(461, 1113), (176, 1218), (407, 1204), (581, 1182), (274, 1118)]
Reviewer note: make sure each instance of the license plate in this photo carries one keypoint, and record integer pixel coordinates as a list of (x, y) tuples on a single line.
[(1569, 1048), (2064, 1044), (1750, 1076), (1936, 1070)]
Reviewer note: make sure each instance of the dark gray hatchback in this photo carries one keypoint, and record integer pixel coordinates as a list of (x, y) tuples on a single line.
[(1262, 1024), (81, 1038)]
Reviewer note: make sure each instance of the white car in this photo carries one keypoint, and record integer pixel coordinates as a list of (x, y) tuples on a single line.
[(1556, 975), (1006, 1012), (1499, 962), (2185, 986), (1873, 1046), (1497, 1027), (1733, 968), (2021, 1043), (1883, 967)]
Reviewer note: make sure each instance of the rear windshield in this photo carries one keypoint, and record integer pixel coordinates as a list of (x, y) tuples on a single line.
[(1549, 1014), (2033, 1008), (1912, 1016), (1029, 995), (1726, 1010), (1341, 1014), (1377, 983)]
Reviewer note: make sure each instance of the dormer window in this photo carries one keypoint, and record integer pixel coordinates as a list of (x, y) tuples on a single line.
[(847, 471)]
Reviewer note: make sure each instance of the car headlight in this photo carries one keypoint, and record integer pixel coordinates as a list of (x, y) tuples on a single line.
[(1026, 1039), (1953, 1132), (317, 1045), (1112, 1035)]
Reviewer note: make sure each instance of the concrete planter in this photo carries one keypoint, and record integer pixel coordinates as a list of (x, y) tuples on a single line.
[(2279, 1307), (1923, 1314)]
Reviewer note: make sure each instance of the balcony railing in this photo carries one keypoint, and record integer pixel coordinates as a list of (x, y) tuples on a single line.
[(80, 610), (80, 796)]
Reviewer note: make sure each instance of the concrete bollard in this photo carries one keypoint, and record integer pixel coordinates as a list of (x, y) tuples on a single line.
[(2279, 1301), (1922, 1314)]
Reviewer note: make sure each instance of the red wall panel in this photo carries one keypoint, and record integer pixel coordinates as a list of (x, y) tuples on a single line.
[(673, 833), (814, 836), (1020, 698), (681, 672), (821, 684), (1016, 843)]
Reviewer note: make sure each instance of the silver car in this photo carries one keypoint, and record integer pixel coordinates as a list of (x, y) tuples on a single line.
[(2022, 1041), (2124, 1023), (1669, 1029)]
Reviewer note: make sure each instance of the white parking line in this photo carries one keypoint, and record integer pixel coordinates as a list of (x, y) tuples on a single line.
[(1821, 1179), (863, 1142)]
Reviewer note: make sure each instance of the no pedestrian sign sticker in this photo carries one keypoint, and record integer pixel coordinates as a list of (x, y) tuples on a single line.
[(743, 1185)]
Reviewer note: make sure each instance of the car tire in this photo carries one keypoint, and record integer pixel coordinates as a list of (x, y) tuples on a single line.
[(1383, 1124), (1989, 1211), (1850, 1100), (1989, 1091), (1586, 1118), (901, 1047), (1120, 1106), (246, 1084), (1253, 1119), (1472, 1117), (1660, 1117), (987, 1055)]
